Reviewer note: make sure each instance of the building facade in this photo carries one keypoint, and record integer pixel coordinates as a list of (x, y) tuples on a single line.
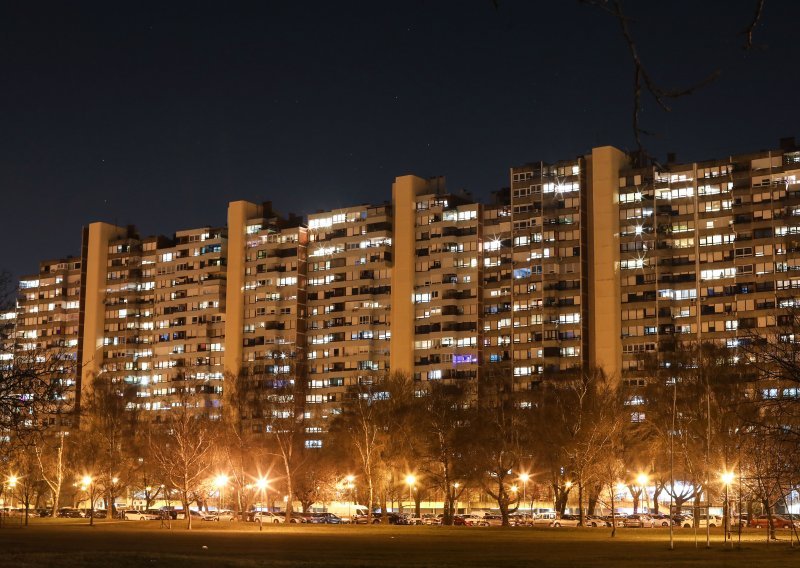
[(584, 263)]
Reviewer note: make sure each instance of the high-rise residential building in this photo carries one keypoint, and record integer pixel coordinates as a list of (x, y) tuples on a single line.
[(581, 263), (49, 321)]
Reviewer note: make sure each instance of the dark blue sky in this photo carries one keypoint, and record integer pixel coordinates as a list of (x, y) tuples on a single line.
[(158, 114)]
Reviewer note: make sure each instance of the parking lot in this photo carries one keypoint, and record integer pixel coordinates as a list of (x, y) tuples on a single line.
[(71, 542)]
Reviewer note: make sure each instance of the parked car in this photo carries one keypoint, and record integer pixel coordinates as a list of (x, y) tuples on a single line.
[(326, 519), (493, 520), (223, 515), (640, 521), (595, 521), (410, 519), (520, 520), (266, 517), (662, 520), (681, 519), (475, 521), (778, 521), (711, 521), (133, 515), (566, 521), (69, 513), (618, 519), (544, 519), (44, 512), (376, 518), (172, 512)]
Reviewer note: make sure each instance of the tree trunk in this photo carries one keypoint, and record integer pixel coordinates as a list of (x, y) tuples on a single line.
[(580, 503), (187, 513), (384, 508), (289, 496), (656, 492), (594, 495), (613, 514)]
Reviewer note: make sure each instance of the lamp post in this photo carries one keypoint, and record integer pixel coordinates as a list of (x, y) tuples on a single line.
[(262, 483), (350, 479), (87, 483), (456, 485), (411, 479), (642, 480), (727, 478), (524, 477), (220, 482), (12, 484)]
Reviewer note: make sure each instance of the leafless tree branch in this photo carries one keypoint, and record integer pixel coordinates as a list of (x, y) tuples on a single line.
[(641, 78), (748, 32)]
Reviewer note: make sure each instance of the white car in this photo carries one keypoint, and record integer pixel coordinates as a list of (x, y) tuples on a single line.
[(566, 521), (544, 519), (703, 520), (268, 517), (132, 515), (639, 521), (475, 521), (219, 516)]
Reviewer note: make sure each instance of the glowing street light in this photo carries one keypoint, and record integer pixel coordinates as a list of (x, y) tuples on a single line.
[(411, 481), (727, 478), (642, 480), (11, 482), (524, 478), (220, 482), (262, 483), (87, 483)]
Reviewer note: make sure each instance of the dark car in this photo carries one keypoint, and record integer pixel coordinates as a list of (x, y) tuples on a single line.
[(324, 519), (377, 516), (778, 521), (44, 512), (69, 513)]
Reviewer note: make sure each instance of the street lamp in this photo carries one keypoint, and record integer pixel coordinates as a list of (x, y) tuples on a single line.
[(262, 483), (524, 477), (220, 482), (456, 485), (727, 478), (411, 480), (88, 482), (642, 479), (350, 479), (12, 484)]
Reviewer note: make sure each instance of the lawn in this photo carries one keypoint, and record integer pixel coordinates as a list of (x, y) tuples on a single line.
[(72, 543)]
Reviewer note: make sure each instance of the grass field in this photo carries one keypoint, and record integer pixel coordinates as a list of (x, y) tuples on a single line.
[(72, 543)]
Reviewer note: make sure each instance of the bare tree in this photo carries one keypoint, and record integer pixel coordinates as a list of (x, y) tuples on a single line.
[(108, 430), (52, 457), (183, 452), (439, 415), (32, 389), (497, 436), (369, 423)]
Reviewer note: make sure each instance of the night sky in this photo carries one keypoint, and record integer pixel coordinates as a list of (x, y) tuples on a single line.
[(159, 114)]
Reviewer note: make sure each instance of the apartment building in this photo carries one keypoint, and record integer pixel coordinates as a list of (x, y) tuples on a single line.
[(708, 251), (48, 322), (580, 263)]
